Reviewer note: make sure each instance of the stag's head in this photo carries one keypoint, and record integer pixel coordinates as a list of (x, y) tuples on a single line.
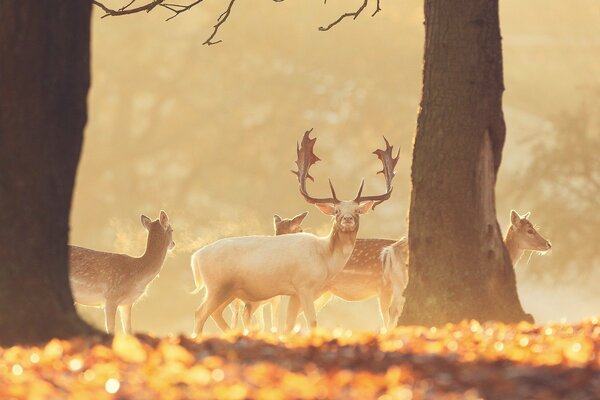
[(525, 234), (283, 226), (159, 229), (346, 212)]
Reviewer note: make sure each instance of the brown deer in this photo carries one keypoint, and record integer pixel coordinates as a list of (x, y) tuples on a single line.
[(257, 268), (114, 281)]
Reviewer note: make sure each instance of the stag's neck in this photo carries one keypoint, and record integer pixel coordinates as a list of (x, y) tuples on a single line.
[(341, 245), (514, 250), (154, 256)]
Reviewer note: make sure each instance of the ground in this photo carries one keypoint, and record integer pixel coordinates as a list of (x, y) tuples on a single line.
[(464, 361)]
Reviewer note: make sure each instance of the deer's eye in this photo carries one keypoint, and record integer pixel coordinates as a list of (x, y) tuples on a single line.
[(530, 231)]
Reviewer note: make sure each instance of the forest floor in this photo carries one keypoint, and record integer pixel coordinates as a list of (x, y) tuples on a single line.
[(463, 361)]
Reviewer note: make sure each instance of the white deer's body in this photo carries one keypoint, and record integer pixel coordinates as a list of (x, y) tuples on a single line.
[(111, 281), (257, 268)]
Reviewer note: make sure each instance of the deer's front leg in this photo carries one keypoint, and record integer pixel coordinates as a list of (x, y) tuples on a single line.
[(125, 313), (110, 310), (307, 300), (292, 312)]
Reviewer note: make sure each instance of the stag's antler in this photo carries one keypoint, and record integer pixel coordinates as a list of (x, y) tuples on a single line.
[(306, 158), (389, 163)]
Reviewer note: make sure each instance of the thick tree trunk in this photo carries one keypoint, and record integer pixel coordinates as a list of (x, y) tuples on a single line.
[(44, 80), (458, 266)]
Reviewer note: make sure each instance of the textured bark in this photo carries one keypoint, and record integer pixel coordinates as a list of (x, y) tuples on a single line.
[(44, 80), (458, 266)]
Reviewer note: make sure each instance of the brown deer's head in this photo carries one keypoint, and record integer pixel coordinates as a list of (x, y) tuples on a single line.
[(525, 235), (160, 229), (345, 212), (283, 226)]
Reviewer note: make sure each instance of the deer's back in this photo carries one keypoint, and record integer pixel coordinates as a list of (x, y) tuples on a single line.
[(95, 273)]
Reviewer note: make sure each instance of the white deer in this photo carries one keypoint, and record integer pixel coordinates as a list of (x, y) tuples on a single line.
[(257, 268), (112, 281), (521, 236), (282, 226)]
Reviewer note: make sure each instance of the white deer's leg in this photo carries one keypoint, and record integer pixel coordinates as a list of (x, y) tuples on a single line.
[(385, 300), (292, 313), (235, 313), (275, 302), (217, 315), (110, 311), (323, 300), (249, 309), (125, 313), (209, 306), (307, 300)]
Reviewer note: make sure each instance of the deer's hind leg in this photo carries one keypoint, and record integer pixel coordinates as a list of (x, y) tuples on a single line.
[(110, 311), (125, 313), (213, 300), (217, 315)]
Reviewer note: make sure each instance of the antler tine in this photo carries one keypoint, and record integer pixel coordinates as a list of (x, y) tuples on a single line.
[(389, 163), (333, 191), (360, 189), (306, 158)]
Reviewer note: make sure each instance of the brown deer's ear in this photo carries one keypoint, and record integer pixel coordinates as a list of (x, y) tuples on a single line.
[(276, 219), (515, 220), (326, 208), (297, 220), (365, 207), (164, 219), (146, 221)]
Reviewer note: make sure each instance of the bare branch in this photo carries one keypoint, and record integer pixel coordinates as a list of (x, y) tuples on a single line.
[(377, 9), (178, 8), (354, 15), (126, 10), (220, 21)]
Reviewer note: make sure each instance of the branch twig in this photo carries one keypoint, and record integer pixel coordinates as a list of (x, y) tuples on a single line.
[(354, 15), (220, 21)]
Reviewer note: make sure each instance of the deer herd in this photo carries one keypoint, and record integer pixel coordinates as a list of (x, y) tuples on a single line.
[(251, 272)]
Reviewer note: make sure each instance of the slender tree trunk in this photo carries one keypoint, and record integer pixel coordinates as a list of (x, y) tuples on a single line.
[(44, 81), (458, 266)]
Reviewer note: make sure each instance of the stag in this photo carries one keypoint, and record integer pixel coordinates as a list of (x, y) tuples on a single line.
[(257, 268)]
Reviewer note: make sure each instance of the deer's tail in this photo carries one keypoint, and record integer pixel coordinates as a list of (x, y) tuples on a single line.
[(388, 259), (196, 272)]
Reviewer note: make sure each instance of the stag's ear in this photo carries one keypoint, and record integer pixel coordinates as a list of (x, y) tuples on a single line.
[(515, 220), (146, 221), (164, 219), (326, 208), (276, 219), (297, 220), (365, 207)]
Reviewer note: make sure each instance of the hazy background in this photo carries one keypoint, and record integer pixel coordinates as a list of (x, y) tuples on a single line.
[(209, 135)]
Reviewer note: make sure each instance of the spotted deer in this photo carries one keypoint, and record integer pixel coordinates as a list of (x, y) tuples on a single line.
[(282, 226), (520, 237), (112, 281), (257, 268)]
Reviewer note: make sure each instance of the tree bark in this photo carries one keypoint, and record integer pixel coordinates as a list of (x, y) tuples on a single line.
[(458, 265), (44, 81)]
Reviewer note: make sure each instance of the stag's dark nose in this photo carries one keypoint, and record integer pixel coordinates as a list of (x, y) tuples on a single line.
[(347, 219), (548, 245)]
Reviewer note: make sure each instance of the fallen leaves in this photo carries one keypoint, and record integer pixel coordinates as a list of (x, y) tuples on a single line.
[(468, 360)]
